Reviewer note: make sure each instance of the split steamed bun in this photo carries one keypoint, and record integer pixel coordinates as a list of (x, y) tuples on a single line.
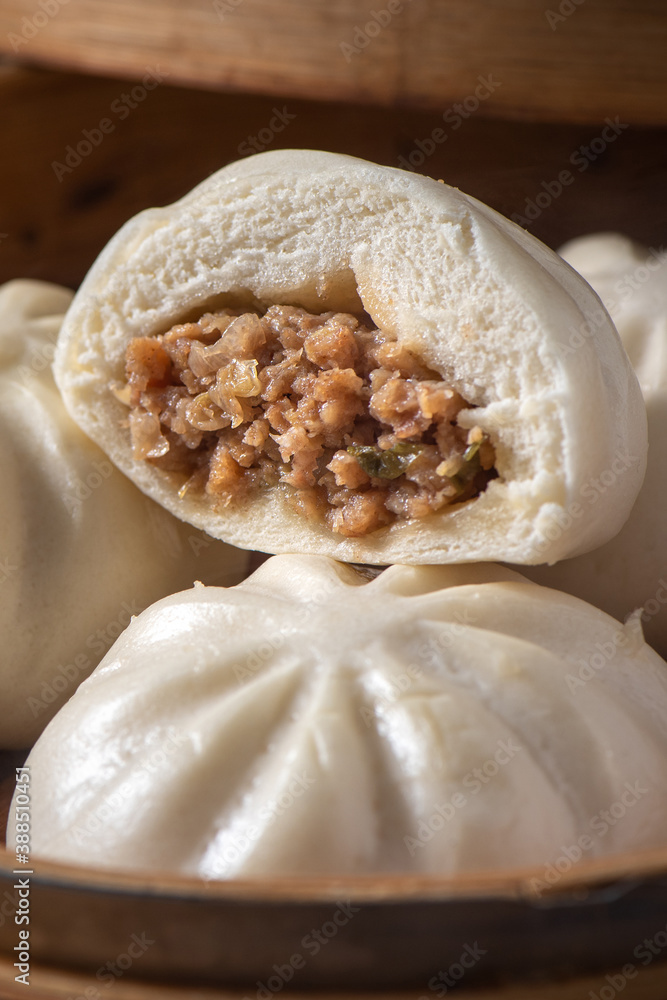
[(479, 303), (82, 549), (307, 721), (630, 571)]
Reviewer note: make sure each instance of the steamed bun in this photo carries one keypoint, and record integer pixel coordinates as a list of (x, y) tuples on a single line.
[(314, 721), (82, 549), (469, 304), (630, 571)]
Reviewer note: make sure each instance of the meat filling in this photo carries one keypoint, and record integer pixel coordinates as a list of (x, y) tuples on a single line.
[(355, 426)]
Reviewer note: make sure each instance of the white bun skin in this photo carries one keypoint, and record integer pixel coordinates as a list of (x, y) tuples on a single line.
[(307, 721), (630, 571), (82, 548), (483, 302)]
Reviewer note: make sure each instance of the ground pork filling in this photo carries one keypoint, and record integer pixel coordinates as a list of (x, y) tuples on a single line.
[(356, 428)]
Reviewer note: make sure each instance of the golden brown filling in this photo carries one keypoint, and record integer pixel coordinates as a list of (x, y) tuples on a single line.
[(337, 410)]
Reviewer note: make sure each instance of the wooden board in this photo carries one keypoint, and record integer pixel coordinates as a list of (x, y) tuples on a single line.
[(564, 60), (52, 984), (53, 227)]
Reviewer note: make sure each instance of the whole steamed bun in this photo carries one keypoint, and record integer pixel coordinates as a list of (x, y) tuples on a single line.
[(82, 549), (630, 571), (310, 721), (468, 294)]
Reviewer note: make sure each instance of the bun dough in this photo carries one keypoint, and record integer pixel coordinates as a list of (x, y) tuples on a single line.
[(309, 721), (82, 549), (478, 299), (630, 571)]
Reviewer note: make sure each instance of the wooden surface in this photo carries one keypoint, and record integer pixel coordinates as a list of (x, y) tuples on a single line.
[(599, 58), (53, 228)]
